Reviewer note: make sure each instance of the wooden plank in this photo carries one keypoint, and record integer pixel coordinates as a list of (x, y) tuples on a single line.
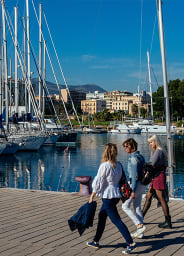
[(35, 223)]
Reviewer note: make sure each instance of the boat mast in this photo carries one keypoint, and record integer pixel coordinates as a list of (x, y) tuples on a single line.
[(0, 73), (40, 56), (149, 77), (28, 56), (10, 89), (44, 77), (16, 67), (25, 63), (166, 97), (5, 65)]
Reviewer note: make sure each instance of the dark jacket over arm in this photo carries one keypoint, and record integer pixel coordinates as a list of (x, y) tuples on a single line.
[(83, 218)]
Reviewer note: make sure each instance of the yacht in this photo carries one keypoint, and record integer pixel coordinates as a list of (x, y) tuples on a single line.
[(147, 126), (126, 129)]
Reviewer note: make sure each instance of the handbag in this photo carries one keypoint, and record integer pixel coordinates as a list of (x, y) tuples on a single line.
[(125, 188), (147, 174)]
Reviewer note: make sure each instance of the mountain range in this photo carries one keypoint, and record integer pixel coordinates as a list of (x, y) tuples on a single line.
[(52, 87)]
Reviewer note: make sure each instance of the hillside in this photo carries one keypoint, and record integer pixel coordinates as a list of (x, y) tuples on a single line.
[(84, 88)]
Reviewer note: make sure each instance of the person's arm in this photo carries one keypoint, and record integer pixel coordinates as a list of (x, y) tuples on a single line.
[(133, 175), (98, 181), (93, 194), (155, 158)]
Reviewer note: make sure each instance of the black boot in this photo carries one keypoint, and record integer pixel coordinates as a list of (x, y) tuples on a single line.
[(167, 223)]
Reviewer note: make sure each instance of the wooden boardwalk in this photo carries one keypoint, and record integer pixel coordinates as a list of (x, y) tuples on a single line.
[(35, 223)]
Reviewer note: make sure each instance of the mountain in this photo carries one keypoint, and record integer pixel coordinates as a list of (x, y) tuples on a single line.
[(82, 88)]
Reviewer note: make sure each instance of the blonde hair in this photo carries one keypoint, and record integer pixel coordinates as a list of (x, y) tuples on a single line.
[(158, 143), (110, 154)]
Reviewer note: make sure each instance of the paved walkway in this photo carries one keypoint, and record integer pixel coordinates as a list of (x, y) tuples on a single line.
[(35, 223)]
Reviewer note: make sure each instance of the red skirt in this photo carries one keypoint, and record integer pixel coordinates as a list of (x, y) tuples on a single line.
[(159, 182)]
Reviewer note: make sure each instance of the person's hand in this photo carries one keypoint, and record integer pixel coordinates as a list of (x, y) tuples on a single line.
[(90, 200), (133, 195)]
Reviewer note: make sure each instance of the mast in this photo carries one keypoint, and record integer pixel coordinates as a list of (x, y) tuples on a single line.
[(44, 77), (28, 56), (40, 56), (149, 77), (10, 90), (1, 86), (139, 102), (16, 68), (166, 96), (25, 62), (5, 65)]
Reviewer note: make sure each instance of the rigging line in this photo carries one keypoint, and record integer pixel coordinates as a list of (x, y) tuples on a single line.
[(61, 70), (140, 61), (36, 64), (155, 76), (153, 34), (53, 71)]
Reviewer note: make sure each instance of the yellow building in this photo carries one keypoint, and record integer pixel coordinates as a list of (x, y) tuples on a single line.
[(93, 106), (117, 100)]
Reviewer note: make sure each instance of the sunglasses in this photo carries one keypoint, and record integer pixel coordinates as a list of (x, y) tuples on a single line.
[(126, 146)]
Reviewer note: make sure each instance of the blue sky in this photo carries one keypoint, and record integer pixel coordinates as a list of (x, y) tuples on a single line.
[(99, 41)]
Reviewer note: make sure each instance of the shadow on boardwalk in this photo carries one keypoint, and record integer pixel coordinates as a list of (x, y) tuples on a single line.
[(35, 223)]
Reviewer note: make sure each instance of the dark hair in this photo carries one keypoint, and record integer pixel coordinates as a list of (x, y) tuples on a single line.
[(131, 142)]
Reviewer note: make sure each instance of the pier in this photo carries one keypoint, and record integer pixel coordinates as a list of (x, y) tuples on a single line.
[(35, 223)]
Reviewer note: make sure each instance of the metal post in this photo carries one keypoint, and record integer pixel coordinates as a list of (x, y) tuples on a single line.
[(40, 57), (149, 76), (166, 97), (5, 66), (16, 68), (28, 56)]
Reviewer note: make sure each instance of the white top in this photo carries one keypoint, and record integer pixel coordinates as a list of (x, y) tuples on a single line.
[(106, 182)]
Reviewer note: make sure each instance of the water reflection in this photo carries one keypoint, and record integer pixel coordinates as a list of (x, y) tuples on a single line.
[(53, 169)]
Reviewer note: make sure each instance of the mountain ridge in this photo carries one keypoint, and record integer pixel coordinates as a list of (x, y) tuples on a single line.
[(86, 88)]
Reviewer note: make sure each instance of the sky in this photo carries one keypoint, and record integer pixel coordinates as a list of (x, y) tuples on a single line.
[(104, 42)]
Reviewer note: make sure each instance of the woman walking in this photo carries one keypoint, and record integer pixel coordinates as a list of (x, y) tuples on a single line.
[(135, 166), (158, 183), (106, 186)]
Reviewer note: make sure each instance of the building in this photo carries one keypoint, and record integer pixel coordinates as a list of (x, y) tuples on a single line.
[(124, 100), (76, 96), (93, 106)]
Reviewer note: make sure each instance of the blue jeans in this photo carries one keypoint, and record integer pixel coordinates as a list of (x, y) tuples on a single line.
[(109, 209), (136, 214)]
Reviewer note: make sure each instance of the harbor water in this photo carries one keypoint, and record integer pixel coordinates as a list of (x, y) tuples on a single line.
[(53, 169)]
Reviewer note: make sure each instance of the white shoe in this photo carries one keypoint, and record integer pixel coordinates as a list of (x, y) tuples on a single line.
[(140, 236), (139, 232)]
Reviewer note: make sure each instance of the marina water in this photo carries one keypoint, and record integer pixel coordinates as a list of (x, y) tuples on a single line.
[(53, 169)]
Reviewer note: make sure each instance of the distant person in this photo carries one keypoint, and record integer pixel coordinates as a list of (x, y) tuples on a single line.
[(135, 171), (158, 183), (106, 186)]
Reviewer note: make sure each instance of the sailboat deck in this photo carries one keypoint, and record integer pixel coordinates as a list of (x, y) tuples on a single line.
[(34, 223)]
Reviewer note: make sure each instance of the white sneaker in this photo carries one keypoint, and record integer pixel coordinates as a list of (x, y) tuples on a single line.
[(139, 232), (140, 236)]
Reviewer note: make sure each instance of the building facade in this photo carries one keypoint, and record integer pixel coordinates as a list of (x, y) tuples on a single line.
[(93, 106)]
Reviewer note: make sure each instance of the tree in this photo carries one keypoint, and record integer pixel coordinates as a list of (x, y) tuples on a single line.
[(134, 110)]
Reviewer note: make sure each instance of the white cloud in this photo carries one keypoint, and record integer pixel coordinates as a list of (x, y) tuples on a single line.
[(87, 58)]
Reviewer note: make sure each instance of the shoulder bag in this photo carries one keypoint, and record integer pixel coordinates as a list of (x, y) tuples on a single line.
[(125, 188)]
